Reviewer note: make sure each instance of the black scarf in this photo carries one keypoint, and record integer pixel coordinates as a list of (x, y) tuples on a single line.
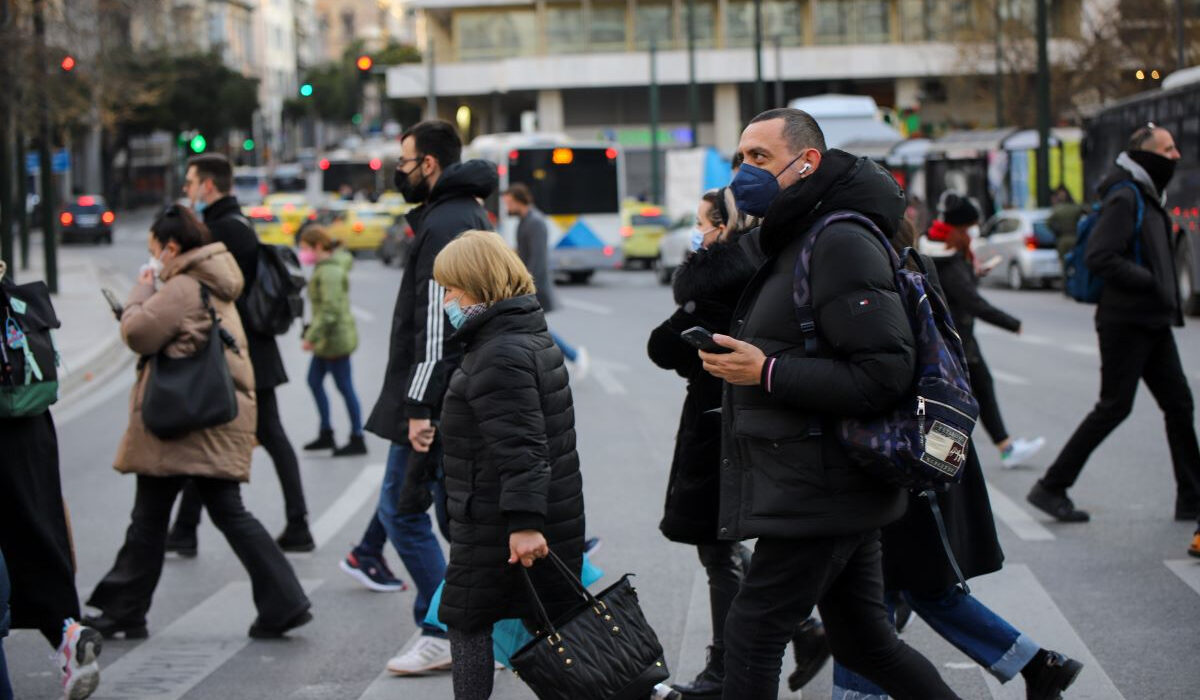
[(1160, 168)]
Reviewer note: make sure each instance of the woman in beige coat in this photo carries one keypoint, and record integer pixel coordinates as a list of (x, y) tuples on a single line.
[(173, 319)]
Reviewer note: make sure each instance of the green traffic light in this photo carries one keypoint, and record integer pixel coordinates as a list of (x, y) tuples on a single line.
[(306, 90), (248, 145), (198, 143), (356, 119)]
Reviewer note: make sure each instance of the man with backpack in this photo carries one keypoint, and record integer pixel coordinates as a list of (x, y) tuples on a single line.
[(1130, 253), (209, 185), (786, 476)]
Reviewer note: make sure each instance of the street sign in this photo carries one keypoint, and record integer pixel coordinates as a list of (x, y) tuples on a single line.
[(60, 162)]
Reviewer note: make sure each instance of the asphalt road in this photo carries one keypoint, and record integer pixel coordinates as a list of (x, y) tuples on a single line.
[(1118, 593)]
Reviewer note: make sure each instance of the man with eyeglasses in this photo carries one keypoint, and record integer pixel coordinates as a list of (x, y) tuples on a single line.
[(1138, 306)]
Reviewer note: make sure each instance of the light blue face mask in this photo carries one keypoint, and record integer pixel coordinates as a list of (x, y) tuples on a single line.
[(199, 206), (698, 238), (455, 313)]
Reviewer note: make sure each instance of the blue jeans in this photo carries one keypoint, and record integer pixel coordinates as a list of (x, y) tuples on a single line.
[(411, 535), (568, 351), (6, 691), (340, 369), (964, 622)]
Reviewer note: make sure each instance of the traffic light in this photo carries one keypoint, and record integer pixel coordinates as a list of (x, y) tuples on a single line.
[(364, 63), (68, 63), (306, 90), (248, 145), (198, 143)]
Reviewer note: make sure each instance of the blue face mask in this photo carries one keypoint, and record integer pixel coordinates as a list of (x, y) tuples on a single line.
[(199, 206), (697, 239), (754, 188), (455, 314)]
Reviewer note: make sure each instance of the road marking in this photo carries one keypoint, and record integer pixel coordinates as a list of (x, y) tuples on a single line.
[(364, 487), (118, 380), (177, 658), (1010, 378), (1089, 350), (697, 630), (1186, 569), (1015, 594), (362, 314), (1021, 523), (573, 303)]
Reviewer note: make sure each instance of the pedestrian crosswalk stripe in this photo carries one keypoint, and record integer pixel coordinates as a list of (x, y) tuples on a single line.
[(1009, 378), (177, 658), (579, 305), (1015, 594), (1020, 522), (362, 489), (1186, 569)]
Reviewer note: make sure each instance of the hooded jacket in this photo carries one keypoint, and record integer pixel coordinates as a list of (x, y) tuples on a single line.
[(332, 332), (508, 434), (707, 288), (1145, 294), (175, 320), (422, 354), (783, 471), (227, 225)]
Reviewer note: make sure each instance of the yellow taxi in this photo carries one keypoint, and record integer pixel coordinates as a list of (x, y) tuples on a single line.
[(269, 228), (357, 226), (393, 203), (291, 209), (642, 229)]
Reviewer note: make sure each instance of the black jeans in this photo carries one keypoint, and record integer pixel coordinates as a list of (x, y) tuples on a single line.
[(126, 590), (722, 562), (843, 577), (275, 441), (1129, 354), (985, 393)]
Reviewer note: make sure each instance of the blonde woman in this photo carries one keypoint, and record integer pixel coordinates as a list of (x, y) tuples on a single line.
[(513, 486)]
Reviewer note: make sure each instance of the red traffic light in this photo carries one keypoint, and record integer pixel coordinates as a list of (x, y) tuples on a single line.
[(324, 164), (375, 164), (68, 63), (364, 63)]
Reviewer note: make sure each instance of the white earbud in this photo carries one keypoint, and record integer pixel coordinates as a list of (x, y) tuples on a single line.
[(806, 168)]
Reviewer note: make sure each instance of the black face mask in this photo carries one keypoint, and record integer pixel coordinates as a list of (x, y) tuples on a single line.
[(413, 193), (1160, 168)]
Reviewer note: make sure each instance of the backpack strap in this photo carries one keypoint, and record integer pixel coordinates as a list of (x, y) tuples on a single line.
[(1141, 215), (801, 283), (226, 337)]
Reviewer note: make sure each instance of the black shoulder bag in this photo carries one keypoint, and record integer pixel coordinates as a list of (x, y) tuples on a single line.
[(604, 651), (195, 392)]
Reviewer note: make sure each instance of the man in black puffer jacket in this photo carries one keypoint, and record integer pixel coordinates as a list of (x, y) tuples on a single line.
[(1138, 306), (785, 478)]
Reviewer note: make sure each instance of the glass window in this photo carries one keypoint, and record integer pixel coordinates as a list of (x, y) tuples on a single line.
[(586, 185), (606, 30), (782, 19), (935, 20), (565, 28), (853, 21), (655, 21), (703, 23), (481, 35)]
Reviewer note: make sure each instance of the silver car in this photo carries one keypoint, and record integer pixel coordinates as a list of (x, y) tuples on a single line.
[(676, 246), (1020, 248)]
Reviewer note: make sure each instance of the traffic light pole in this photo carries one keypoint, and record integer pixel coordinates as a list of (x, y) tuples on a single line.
[(49, 231), (760, 91), (1043, 106), (693, 97), (655, 184)]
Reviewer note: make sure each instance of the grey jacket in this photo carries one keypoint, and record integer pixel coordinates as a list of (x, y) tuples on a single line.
[(533, 245)]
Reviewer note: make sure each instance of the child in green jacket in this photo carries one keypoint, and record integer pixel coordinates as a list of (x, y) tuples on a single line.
[(331, 336)]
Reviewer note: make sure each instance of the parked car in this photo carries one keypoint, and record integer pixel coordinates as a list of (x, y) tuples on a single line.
[(642, 229), (1025, 245), (267, 226), (87, 218), (675, 248), (292, 209), (359, 226)]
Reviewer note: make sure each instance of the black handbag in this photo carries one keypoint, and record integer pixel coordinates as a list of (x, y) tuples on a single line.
[(602, 651), (195, 392)]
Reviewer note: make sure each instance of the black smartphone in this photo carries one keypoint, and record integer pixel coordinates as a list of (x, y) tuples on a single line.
[(113, 302), (699, 338)]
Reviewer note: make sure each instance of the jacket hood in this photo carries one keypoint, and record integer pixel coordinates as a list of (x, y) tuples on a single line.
[(341, 258), (719, 273), (470, 178), (211, 265), (843, 182), (521, 314), (1128, 169)]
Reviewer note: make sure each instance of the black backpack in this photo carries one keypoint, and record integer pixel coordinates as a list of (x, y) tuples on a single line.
[(275, 298), (29, 357)]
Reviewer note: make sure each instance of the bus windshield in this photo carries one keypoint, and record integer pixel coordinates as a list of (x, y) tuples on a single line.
[(357, 174), (583, 182)]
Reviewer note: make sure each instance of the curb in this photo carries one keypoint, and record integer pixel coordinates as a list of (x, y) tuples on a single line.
[(102, 363)]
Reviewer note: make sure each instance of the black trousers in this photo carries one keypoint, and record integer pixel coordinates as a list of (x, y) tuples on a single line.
[(272, 437), (126, 590), (985, 393), (33, 527), (843, 577), (723, 563), (1129, 354)]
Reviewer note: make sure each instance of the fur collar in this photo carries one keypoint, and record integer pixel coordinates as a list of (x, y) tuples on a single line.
[(718, 273)]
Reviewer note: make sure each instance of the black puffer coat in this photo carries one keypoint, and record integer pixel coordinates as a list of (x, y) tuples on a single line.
[(508, 431), (707, 287)]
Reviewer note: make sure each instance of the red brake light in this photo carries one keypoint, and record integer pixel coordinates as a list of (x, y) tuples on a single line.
[(611, 153), (502, 170), (1031, 242), (608, 251), (408, 231), (324, 164), (375, 164), (312, 216), (512, 155), (626, 231), (65, 218), (87, 201), (108, 217), (263, 189)]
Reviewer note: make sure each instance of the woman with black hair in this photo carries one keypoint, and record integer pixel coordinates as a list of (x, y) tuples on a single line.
[(195, 279)]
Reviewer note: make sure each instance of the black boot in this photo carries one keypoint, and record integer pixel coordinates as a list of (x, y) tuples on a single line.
[(1048, 674), (182, 541), (711, 680), (296, 537), (811, 649), (324, 441), (356, 446)]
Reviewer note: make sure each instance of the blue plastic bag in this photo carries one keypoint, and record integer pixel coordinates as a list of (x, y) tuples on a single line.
[(509, 635)]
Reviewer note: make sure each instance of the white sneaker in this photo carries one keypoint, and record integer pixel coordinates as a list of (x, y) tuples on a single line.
[(582, 364), (428, 654), (1020, 450), (76, 660)]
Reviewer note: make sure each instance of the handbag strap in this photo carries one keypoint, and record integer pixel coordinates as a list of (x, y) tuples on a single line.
[(576, 584), (931, 496), (225, 336)]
